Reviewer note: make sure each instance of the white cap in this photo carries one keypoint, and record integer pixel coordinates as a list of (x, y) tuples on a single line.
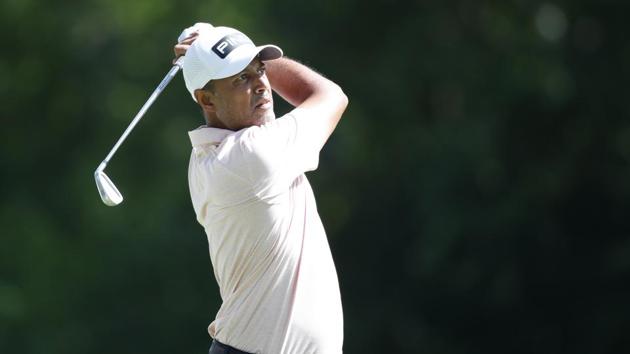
[(220, 52)]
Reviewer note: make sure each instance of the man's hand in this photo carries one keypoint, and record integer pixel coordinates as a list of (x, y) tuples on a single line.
[(181, 47), (187, 37)]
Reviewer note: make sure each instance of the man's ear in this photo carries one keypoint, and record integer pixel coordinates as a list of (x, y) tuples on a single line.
[(204, 98)]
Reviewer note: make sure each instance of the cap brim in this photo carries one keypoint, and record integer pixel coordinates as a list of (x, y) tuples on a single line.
[(244, 56), (269, 52)]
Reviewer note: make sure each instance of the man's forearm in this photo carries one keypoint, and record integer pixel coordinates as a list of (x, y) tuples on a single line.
[(296, 82)]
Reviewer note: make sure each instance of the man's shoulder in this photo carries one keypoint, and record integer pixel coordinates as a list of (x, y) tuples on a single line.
[(253, 139)]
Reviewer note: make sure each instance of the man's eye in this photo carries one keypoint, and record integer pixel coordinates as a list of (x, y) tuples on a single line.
[(261, 71), (243, 77)]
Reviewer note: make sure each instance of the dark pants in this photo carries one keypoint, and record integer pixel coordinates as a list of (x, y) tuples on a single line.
[(220, 348)]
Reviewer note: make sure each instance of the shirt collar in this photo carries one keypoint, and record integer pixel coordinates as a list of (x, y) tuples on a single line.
[(207, 135)]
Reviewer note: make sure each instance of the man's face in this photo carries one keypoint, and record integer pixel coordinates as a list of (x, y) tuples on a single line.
[(242, 100)]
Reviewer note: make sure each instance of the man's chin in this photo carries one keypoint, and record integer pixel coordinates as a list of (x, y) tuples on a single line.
[(266, 117)]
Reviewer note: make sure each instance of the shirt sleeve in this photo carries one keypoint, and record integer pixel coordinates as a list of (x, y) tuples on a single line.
[(276, 153)]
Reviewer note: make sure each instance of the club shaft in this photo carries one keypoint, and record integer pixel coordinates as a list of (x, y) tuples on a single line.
[(169, 76)]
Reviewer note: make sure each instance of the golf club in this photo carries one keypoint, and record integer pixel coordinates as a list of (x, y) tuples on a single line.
[(106, 188)]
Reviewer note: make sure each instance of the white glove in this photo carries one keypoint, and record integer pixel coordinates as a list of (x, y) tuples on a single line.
[(197, 27)]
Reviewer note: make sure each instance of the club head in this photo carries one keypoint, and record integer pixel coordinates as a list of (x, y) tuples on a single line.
[(108, 191)]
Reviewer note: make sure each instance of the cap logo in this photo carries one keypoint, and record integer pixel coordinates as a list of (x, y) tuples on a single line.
[(228, 43)]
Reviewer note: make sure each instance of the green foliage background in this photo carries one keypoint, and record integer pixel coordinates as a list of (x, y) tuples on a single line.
[(476, 193)]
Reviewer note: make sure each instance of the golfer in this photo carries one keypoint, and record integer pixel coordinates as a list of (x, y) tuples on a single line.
[(267, 244)]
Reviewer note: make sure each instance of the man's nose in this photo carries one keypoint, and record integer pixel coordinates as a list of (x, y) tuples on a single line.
[(260, 86)]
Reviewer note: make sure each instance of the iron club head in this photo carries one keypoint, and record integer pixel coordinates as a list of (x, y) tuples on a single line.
[(106, 188)]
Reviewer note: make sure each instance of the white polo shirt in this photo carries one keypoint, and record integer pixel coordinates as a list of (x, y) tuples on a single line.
[(267, 244)]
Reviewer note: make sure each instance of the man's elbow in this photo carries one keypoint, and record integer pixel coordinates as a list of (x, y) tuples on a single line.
[(344, 99), (341, 97)]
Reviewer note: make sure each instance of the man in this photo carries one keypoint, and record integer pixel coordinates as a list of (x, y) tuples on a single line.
[(267, 244)]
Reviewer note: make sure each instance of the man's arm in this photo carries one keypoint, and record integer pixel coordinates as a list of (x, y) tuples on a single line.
[(308, 90)]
